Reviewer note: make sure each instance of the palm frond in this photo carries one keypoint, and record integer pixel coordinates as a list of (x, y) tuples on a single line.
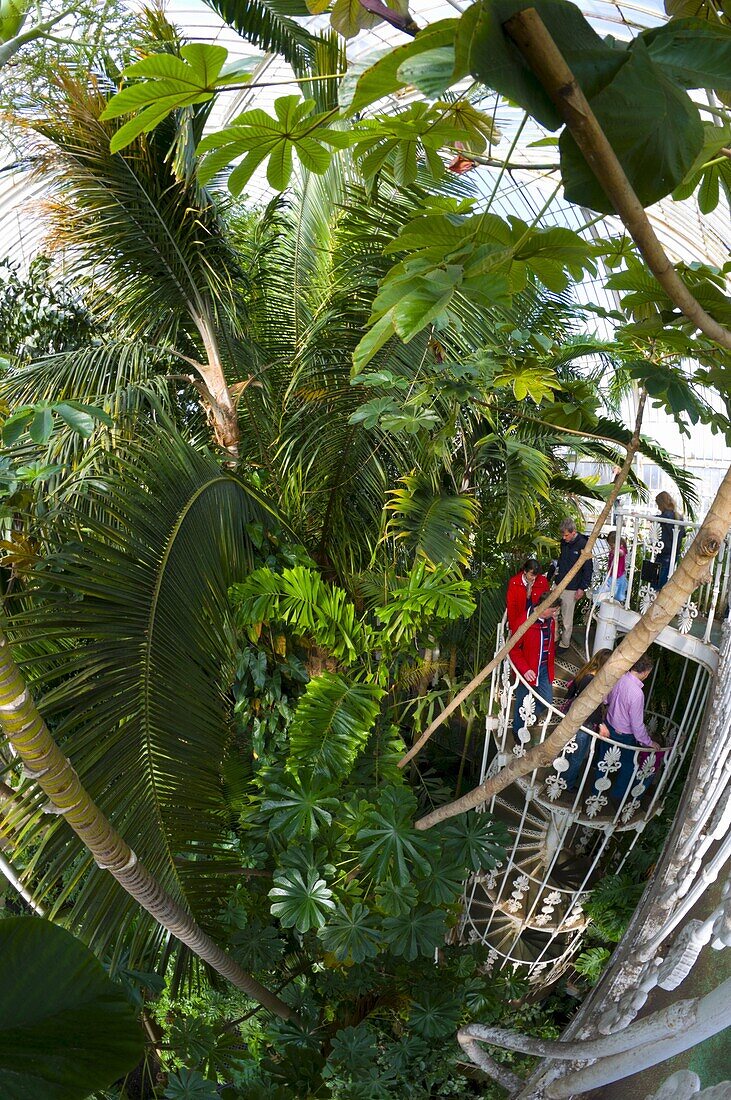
[(129, 643), (270, 25), (150, 249), (434, 523)]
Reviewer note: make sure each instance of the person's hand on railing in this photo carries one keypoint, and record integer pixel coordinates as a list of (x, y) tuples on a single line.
[(530, 676), (603, 729)]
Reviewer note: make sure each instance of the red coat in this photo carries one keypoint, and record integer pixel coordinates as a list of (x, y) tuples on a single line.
[(516, 598), (526, 655)]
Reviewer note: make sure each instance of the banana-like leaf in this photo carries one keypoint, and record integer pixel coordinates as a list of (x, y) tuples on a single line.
[(65, 1027), (129, 643)]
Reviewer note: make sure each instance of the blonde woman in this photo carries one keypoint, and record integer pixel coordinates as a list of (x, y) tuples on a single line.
[(671, 534)]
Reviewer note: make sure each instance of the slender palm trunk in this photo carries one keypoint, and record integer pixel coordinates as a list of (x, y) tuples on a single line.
[(221, 407), (691, 571), (28, 734)]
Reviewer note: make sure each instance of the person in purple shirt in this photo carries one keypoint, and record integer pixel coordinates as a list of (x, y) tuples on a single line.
[(625, 719)]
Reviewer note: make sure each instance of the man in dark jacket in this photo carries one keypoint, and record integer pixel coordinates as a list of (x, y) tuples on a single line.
[(572, 543)]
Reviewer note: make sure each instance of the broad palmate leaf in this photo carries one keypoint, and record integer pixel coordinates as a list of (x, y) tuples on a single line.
[(301, 902), (172, 82), (390, 843), (351, 935), (261, 137), (419, 932)]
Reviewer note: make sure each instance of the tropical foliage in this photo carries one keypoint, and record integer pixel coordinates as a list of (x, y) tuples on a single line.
[(265, 471)]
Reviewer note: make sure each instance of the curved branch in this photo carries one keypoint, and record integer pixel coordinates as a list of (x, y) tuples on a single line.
[(531, 37)]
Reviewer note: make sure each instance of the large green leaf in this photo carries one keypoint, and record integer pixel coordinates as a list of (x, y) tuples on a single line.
[(419, 932), (65, 1028), (135, 680), (259, 136), (391, 845), (484, 49), (332, 724), (300, 806), (694, 52), (435, 1013), (172, 82), (351, 934), (652, 125), (437, 524), (362, 86), (300, 902)]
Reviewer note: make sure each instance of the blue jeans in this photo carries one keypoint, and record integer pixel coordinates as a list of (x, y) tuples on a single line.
[(663, 573), (544, 687), (623, 777), (576, 759)]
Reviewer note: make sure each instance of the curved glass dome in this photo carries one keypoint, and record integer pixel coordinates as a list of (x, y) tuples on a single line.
[(524, 189), (531, 185)]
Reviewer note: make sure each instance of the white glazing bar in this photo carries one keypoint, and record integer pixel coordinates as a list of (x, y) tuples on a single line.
[(632, 555)]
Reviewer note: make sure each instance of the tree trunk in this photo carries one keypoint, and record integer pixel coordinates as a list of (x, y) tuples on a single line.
[(28, 734), (691, 572), (221, 406)]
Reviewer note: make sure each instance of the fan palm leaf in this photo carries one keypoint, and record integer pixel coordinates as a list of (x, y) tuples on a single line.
[(128, 640)]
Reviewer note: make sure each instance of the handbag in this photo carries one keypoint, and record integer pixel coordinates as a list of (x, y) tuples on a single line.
[(650, 572)]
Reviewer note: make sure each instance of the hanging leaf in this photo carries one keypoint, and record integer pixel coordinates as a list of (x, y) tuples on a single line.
[(652, 125), (363, 86), (301, 903), (484, 49), (349, 17), (66, 1029), (694, 52), (431, 72)]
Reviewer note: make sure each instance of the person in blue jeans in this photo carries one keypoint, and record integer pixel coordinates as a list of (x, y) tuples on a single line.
[(670, 534), (584, 741), (626, 723), (533, 657)]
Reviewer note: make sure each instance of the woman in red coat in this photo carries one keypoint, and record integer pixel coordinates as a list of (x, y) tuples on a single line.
[(534, 654), (525, 591)]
